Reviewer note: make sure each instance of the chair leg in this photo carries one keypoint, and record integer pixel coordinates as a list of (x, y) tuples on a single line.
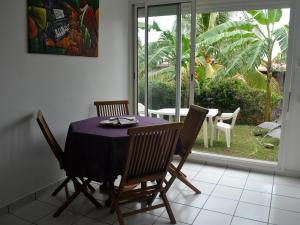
[(177, 174), (61, 186), (119, 213), (227, 134), (92, 189), (168, 208), (66, 204), (188, 183), (170, 181), (67, 191), (79, 188), (82, 188)]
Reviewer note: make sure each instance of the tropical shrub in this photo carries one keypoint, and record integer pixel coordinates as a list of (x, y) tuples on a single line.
[(161, 94), (229, 94)]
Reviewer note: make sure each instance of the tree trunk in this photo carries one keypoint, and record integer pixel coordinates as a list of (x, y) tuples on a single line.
[(267, 110)]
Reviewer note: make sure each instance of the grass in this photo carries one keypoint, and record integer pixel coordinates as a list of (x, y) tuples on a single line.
[(243, 144)]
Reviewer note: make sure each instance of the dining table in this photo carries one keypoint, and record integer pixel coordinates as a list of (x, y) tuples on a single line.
[(208, 123), (99, 152)]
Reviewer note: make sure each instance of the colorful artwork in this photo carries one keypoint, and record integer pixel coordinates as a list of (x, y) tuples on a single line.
[(64, 27)]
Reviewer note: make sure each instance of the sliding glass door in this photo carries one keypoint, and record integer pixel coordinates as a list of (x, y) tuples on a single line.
[(232, 62), (241, 61), (163, 60)]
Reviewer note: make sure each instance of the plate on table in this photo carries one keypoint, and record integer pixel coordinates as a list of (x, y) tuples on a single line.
[(121, 121)]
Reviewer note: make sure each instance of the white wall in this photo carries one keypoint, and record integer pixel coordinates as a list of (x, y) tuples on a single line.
[(63, 87)]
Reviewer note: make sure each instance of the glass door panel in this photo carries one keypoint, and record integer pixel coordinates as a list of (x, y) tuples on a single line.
[(165, 86), (162, 59), (240, 63)]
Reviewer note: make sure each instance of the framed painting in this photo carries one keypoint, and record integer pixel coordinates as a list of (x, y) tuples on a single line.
[(63, 27)]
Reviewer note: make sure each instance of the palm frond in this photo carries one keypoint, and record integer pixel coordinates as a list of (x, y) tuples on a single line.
[(281, 35)]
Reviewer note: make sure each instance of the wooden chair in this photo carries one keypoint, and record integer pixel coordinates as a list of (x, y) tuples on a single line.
[(149, 155), (188, 136), (81, 185), (112, 108)]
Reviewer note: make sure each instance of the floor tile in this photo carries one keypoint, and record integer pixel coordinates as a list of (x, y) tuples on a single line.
[(183, 213), (289, 191), (243, 174), (34, 211), (242, 221), (66, 218), (282, 217), (57, 200), (179, 185), (165, 221), (87, 221), (173, 193), (212, 218), (259, 186), (266, 178), (286, 203), (208, 177), (12, 220), (103, 215), (137, 205), (192, 166), (190, 173), (256, 198), (251, 211), (227, 192), (191, 198), (233, 182), (204, 187), (221, 205), (288, 181), (139, 219), (99, 195), (213, 169), (82, 205)]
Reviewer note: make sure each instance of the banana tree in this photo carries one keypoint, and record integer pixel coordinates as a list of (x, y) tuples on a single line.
[(242, 46)]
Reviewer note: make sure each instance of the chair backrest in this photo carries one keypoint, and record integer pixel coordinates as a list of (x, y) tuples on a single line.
[(56, 149), (191, 127), (149, 153), (141, 109), (112, 108), (235, 114)]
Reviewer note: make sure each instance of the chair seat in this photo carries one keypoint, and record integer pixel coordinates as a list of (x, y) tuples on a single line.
[(223, 126)]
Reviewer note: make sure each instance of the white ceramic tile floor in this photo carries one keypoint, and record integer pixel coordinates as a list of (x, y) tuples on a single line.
[(229, 197), (221, 205)]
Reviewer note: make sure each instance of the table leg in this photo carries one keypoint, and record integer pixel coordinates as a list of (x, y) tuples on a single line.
[(211, 131), (205, 139)]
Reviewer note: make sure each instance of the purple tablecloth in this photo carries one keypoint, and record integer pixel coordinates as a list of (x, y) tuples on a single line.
[(98, 152)]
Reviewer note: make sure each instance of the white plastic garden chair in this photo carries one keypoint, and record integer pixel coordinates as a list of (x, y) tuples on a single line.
[(226, 127), (141, 111)]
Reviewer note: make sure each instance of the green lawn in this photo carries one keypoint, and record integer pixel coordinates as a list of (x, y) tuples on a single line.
[(243, 144)]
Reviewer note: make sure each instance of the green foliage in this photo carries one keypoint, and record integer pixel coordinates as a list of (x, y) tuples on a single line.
[(161, 94), (229, 94), (266, 17)]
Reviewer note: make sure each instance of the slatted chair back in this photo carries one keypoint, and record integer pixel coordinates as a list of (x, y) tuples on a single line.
[(112, 108), (191, 127), (149, 153), (235, 114), (188, 136), (56, 149)]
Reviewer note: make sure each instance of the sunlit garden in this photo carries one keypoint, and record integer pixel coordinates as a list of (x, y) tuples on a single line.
[(240, 61)]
